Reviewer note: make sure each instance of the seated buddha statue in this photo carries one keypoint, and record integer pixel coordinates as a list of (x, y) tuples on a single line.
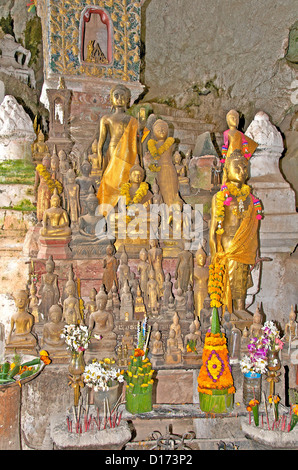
[(20, 336), (101, 322), (52, 330), (55, 222), (40, 148)]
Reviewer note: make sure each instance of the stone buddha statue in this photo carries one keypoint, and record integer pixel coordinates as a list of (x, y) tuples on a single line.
[(101, 322), (48, 290), (233, 235), (139, 306), (184, 270), (91, 229), (52, 330), (173, 351), (40, 148), (20, 336), (110, 266), (72, 194), (126, 303), (255, 330), (143, 270), (181, 170), (85, 182), (177, 328), (55, 222), (124, 273), (155, 258), (291, 328), (71, 306), (93, 158), (153, 293), (201, 275)]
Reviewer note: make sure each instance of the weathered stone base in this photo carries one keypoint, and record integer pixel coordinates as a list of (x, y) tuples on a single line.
[(56, 248)]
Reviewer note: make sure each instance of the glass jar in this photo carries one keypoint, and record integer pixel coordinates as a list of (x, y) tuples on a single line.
[(235, 346), (252, 387)]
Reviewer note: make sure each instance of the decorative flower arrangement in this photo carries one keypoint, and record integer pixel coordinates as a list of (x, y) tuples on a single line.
[(157, 152), (256, 361), (101, 375), (17, 370), (215, 284), (51, 183), (245, 151), (224, 198), (139, 195), (254, 407), (271, 336), (215, 373), (77, 337)]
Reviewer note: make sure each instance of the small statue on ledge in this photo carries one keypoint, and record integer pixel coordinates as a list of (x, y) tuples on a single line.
[(20, 336), (55, 222), (291, 328), (255, 329), (48, 291), (52, 330)]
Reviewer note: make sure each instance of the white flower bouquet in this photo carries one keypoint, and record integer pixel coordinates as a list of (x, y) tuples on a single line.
[(77, 337), (101, 375)]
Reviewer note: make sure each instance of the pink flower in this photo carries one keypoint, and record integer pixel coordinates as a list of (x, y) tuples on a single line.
[(259, 217), (81, 349), (279, 343), (228, 201), (222, 160)]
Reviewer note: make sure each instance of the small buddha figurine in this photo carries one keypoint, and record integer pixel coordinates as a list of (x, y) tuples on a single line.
[(184, 270), (33, 303), (201, 276), (167, 291), (124, 272), (234, 139), (155, 256), (110, 266), (40, 148), (216, 172), (177, 328), (126, 303), (157, 349), (139, 306), (55, 222), (96, 170), (192, 337), (190, 305), (157, 197), (42, 189), (173, 351), (71, 306), (180, 301), (127, 342), (64, 165), (48, 291), (101, 323), (20, 336), (291, 327), (85, 183), (90, 305), (72, 193), (153, 293), (181, 169), (55, 170), (143, 270), (116, 301), (91, 227), (52, 330), (255, 329)]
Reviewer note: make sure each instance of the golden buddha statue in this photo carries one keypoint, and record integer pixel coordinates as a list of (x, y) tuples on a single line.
[(72, 194), (234, 235), (291, 328), (71, 306), (40, 148), (235, 139), (201, 276), (255, 330), (20, 336), (55, 224), (42, 189), (122, 151), (52, 330), (93, 158)]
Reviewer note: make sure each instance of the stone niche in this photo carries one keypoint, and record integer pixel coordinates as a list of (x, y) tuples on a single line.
[(93, 47)]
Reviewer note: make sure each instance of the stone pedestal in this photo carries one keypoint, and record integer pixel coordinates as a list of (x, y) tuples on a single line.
[(278, 229), (59, 249)]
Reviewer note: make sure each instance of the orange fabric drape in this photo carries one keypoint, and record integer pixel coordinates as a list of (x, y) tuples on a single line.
[(117, 171), (242, 249)]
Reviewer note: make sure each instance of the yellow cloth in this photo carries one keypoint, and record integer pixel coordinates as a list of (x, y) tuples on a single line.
[(242, 249), (117, 171)]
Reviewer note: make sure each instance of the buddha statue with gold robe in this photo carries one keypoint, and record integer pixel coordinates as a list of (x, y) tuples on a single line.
[(55, 222)]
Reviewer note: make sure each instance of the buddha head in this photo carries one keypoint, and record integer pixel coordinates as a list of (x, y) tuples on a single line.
[(91, 202), (120, 96), (201, 257), (21, 299), (233, 119), (55, 199), (55, 313), (236, 168), (50, 265), (86, 167), (136, 174), (160, 129), (40, 137)]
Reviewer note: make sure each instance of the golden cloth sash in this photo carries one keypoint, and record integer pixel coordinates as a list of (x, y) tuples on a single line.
[(242, 249), (121, 161)]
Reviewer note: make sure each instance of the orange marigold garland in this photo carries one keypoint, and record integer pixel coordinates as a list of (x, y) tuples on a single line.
[(215, 284), (215, 372)]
